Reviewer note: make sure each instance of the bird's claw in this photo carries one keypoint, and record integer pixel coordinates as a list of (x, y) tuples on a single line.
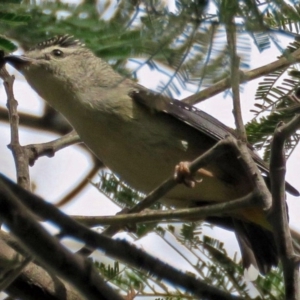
[(183, 175)]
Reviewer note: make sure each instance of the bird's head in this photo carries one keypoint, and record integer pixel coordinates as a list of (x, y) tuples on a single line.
[(61, 56), (62, 66)]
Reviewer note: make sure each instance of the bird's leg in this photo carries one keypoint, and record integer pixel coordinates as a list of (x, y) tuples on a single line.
[(183, 174)]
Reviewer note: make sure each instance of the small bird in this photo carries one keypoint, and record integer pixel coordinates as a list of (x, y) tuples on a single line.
[(141, 136)]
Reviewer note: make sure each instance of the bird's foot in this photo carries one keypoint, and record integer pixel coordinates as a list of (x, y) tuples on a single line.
[(183, 175)]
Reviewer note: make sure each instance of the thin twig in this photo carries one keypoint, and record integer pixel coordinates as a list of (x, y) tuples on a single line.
[(235, 81), (178, 215), (34, 151), (245, 157), (19, 153), (97, 164)]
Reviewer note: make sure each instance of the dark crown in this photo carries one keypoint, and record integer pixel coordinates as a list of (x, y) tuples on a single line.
[(64, 41)]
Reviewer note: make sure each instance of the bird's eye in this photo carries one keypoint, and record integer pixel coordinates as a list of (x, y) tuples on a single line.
[(57, 53)]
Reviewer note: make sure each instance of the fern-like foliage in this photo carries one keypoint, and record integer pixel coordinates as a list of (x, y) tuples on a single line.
[(283, 16), (260, 132), (10, 19), (124, 196), (187, 45), (274, 98)]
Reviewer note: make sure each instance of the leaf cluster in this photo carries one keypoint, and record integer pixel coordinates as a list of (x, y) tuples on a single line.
[(10, 18), (276, 101), (187, 45)]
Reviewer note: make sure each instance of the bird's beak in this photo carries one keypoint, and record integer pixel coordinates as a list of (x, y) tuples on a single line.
[(18, 62)]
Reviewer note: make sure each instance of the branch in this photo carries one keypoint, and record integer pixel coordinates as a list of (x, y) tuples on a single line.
[(19, 153), (178, 215), (33, 282), (225, 84), (166, 186), (21, 162), (27, 155), (278, 215), (34, 151), (245, 157), (72, 266), (47, 249), (235, 81)]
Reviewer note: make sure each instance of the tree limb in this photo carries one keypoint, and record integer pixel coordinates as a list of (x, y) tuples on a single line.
[(73, 267), (278, 215)]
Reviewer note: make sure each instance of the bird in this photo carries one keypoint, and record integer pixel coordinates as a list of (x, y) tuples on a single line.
[(141, 136)]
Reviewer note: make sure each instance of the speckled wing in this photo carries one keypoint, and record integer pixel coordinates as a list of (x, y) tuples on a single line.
[(195, 118)]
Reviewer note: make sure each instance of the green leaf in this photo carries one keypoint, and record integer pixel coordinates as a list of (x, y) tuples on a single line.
[(7, 45), (9, 17), (11, 1)]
